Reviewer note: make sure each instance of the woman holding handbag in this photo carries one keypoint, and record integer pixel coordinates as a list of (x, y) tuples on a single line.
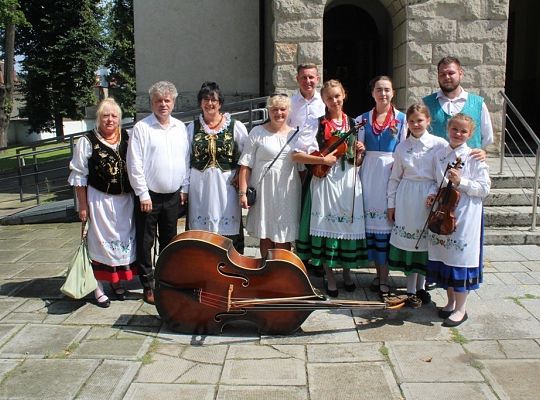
[(105, 199), (266, 165)]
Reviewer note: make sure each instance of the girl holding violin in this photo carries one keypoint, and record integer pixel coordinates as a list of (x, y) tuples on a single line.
[(454, 259), (385, 128), (410, 182), (332, 232)]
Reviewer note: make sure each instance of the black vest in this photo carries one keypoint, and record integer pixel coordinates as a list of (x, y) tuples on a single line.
[(107, 170), (214, 151)]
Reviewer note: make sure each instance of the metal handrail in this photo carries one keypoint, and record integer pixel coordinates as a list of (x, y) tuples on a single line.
[(508, 104)]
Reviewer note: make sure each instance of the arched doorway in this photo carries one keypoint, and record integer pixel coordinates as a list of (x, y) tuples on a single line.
[(355, 49)]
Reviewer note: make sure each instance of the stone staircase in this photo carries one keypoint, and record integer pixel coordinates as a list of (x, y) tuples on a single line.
[(508, 210)]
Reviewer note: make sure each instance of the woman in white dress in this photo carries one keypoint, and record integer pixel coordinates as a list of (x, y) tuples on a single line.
[(105, 199), (274, 216), (217, 140)]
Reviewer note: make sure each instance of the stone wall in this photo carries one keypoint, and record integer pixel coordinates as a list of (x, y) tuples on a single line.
[(475, 31)]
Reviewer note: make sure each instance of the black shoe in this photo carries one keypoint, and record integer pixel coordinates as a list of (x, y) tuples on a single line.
[(448, 323), (104, 303), (375, 283), (431, 286), (424, 296), (329, 292), (119, 293), (315, 270), (350, 287), (444, 314), (148, 296)]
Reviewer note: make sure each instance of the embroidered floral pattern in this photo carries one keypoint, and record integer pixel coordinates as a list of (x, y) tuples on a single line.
[(334, 218), (119, 246), (447, 243), (401, 232), (376, 214), (204, 220)]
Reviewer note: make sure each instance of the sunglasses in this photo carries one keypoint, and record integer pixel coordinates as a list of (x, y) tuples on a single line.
[(279, 94)]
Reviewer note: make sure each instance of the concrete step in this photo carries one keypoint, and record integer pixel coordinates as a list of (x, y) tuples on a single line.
[(514, 235), (508, 197), (507, 216)]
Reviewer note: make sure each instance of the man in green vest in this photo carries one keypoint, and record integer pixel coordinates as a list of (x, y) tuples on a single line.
[(451, 99)]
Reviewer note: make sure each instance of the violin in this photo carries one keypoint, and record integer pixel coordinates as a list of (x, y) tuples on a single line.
[(339, 144), (442, 221), (203, 284)]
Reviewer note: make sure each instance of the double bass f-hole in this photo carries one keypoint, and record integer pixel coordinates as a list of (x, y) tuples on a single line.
[(221, 269)]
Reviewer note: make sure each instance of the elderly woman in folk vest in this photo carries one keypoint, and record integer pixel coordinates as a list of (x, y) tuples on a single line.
[(105, 199), (217, 140)]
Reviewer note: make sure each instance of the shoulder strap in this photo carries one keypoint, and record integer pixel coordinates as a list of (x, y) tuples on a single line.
[(278, 154)]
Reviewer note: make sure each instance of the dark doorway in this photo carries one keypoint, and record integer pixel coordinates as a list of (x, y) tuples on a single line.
[(523, 60), (354, 52)]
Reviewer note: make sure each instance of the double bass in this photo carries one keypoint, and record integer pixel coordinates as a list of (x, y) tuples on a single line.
[(204, 284)]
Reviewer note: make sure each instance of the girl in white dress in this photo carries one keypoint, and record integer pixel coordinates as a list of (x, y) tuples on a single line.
[(274, 216), (454, 260), (105, 198), (410, 182)]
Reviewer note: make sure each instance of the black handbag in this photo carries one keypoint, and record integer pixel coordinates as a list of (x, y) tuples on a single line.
[(251, 194)]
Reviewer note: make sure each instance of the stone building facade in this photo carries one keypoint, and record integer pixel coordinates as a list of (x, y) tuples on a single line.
[(401, 38)]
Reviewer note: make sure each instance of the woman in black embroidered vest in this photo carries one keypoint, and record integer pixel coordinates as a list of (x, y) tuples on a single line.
[(217, 141), (104, 195)]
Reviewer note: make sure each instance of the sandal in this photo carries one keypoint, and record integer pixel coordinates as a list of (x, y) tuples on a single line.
[(384, 294), (413, 300), (424, 296), (375, 284), (103, 301)]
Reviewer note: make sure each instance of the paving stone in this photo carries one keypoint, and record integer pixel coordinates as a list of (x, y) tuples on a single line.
[(533, 306), (502, 253), (43, 233), (513, 379), (12, 256), (521, 348), (49, 243), (7, 305), (242, 352), (261, 393), (491, 279), (50, 255), (532, 265), (10, 270), (7, 331), (508, 266), (535, 275), (201, 374), (163, 369), (44, 288), (116, 349), (485, 349), (524, 278), (160, 391), (336, 326), (119, 313), (23, 318), (403, 324), (165, 335), (205, 354), (278, 372), (507, 278), (347, 352), (47, 379), (357, 381), (6, 366), (432, 362), (13, 243), (42, 340), (44, 270), (499, 319), (109, 381), (530, 252), (443, 391)]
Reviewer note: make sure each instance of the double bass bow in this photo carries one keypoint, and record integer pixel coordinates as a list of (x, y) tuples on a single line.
[(334, 143), (204, 284)]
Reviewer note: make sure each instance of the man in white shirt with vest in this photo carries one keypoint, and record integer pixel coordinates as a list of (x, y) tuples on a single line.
[(158, 169), (451, 99)]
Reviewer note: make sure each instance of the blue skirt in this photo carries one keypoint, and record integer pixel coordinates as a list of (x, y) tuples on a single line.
[(461, 279), (378, 247)]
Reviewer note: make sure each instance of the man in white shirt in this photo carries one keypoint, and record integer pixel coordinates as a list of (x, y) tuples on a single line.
[(451, 99), (158, 170), (306, 103)]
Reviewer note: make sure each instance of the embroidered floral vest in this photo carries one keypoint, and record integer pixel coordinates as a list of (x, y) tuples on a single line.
[(107, 170), (214, 150)]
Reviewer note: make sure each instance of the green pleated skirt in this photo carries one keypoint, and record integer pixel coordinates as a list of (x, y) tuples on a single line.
[(408, 262)]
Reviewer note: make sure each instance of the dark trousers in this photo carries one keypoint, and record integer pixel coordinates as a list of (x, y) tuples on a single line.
[(163, 217)]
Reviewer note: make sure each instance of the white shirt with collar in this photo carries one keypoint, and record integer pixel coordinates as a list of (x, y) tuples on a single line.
[(455, 105), (158, 157), (304, 112)]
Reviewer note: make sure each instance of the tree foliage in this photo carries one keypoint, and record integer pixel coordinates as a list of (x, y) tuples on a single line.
[(121, 59), (62, 50), (10, 16)]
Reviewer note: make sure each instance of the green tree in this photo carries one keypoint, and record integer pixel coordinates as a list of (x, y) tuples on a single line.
[(10, 16), (62, 51), (121, 60)]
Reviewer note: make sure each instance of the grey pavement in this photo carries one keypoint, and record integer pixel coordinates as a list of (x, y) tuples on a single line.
[(52, 347)]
